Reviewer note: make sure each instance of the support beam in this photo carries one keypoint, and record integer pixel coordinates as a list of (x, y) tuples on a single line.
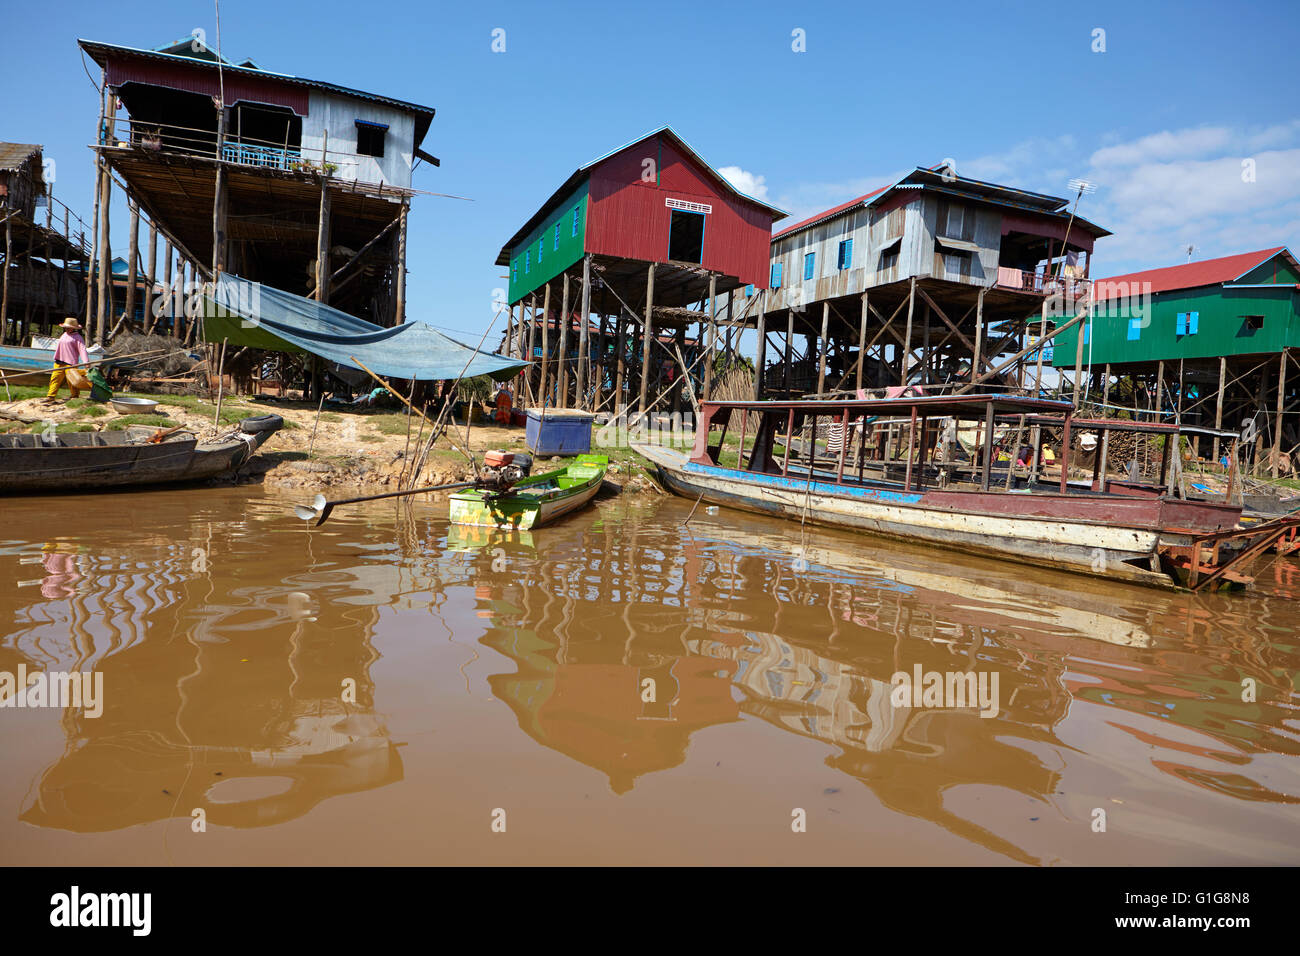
[(1277, 418), (822, 346), (977, 356), (132, 256), (584, 346), (907, 339), (647, 338), (710, 347), (545, 394), (4, 292), (103, 288), (399, 305), (862, 342), (562, 370), (149, 299), (761, 357), (323, 272)]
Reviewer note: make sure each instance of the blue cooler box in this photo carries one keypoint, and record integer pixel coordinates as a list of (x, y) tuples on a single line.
[(558, 431)]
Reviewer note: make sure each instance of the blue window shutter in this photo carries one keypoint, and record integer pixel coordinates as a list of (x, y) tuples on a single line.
[(809, 261), (514, 271), (1087, 332), (749, 290), (557, 237), (1181, 327), (575, 219), (848, 254), (1134, 330), (528, 261), (1193, 321), (776, 275), (541, 244)]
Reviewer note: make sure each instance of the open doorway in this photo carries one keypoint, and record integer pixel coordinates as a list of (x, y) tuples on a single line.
[(686, 237)]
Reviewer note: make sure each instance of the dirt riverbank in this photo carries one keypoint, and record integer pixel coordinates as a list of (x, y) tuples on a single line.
[(357, 450)]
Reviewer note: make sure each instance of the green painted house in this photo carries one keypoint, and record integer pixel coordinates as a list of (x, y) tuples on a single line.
[(1234, 306)]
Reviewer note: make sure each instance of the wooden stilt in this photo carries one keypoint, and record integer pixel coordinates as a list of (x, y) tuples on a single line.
[(562, 367), (978, 355), (647, 338), (4, 293), (584, 345), (1218, 404), (545, 393), (710, 347), (103, 287), (822, 347), (907, 338), (862, 341), (132, 256), (1277, 418), (760, 361), (399, 304), (150, 300)]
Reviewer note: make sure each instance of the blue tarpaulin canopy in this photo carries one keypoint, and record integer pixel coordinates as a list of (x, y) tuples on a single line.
[(241, 312)]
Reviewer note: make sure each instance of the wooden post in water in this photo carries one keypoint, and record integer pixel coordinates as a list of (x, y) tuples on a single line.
[(1218, 404), (761, 357)]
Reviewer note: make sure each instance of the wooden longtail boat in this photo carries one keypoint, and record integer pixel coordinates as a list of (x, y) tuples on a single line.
[(94, 460), (1159, 540), (534, 501), (24, 366)]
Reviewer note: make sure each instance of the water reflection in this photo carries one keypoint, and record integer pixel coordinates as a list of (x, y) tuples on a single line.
[(242, 654), (808, 630)]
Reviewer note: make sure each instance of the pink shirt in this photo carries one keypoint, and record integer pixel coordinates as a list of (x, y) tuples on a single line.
[(71, 349)]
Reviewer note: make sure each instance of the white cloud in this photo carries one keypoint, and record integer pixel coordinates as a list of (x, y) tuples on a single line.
[(1165, 145), (751, 184)]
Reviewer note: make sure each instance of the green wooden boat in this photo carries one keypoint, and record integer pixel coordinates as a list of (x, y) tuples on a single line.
[(534, 501)]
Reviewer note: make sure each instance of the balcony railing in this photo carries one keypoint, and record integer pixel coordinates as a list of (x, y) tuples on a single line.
[(170, 139), (272, 157), (1038, 283)]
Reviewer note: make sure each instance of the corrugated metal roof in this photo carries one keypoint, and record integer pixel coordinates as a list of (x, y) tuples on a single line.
[(503, 258), (99, 51), (13, 155), (1191, 275), (923, 177)]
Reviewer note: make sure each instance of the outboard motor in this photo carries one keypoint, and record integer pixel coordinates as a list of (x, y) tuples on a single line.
[(501, 469)]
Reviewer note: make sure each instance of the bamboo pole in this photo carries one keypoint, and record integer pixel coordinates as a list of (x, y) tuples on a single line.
[(546, 346), (584, 345)]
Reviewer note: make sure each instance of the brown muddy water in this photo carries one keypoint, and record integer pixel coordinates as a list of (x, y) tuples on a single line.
[(384, 688)]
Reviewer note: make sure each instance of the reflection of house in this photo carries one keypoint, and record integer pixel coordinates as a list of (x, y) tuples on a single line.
[(37, 250), (594, 710), (234, 710)]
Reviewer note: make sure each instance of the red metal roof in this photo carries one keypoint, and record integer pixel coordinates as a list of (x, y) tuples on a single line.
[(1189, 275), (828, 213)]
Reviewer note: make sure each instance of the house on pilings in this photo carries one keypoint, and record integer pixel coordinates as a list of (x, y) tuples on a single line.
[(299, 184), (42, 248), (1203, 343), (926, 280), (649, 238)]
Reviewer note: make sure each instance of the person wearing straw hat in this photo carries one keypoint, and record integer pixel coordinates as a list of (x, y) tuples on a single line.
[(69, 350)]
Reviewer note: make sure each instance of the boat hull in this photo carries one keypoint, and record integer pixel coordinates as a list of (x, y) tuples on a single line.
[(521, 511), (1126, 551), (35, 468)]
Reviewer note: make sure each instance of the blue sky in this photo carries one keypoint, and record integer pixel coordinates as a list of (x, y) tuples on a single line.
[(1162, 119)]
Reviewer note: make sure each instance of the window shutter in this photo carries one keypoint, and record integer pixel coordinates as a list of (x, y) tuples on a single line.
[(809, 261), (1181, 327), (1193, 321), (1134, 330), (776, 275), (848, 253)]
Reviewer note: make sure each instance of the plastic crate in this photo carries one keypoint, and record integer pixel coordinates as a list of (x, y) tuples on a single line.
[(558, 431)]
